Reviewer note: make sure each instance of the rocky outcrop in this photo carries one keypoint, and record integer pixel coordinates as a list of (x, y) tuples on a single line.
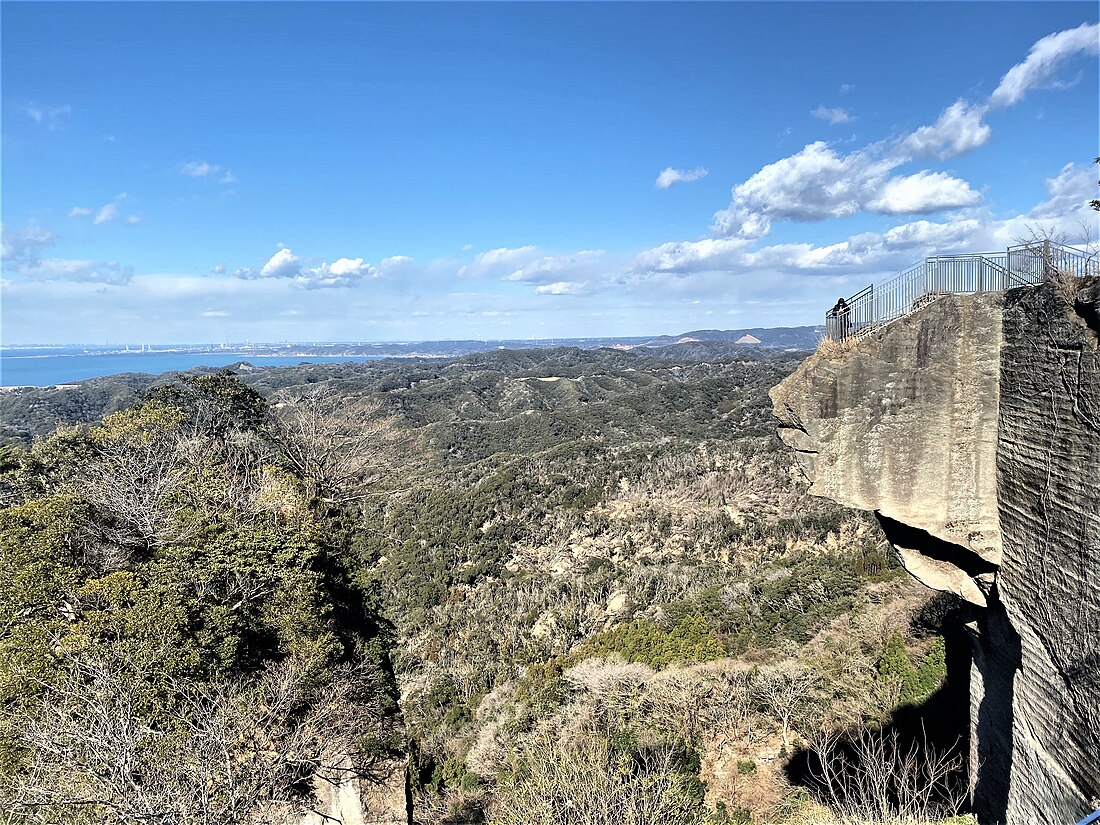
[(381, 798), (972, 429)]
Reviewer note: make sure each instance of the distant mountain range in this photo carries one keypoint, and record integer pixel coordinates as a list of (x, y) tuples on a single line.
[(804, 338)]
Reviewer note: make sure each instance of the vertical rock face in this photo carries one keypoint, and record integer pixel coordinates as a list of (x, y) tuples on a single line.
[(972, 429)]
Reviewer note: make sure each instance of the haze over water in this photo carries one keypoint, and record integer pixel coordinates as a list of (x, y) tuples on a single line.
[(37, 368)]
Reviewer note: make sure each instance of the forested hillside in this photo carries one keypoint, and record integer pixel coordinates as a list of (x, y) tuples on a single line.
[(589, 577)]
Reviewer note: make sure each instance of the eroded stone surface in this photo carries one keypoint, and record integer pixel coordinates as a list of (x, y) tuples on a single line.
[(904, 423), (973, 428)]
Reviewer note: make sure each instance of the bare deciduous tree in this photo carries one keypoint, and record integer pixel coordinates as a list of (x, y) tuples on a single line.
[(223, 753), (873, 777), (338, 444), (588, 783)]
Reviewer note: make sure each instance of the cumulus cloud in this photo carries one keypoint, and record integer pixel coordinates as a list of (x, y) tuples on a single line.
[(22, 245), (49, 116), (133, 220), (342, 272), (669, 177), (831, 116), (958, 130), (922, 193), (79, 212), (1044, 59), (811, 185), (818, 182), (283, 264), (219, 269), (204, 169)]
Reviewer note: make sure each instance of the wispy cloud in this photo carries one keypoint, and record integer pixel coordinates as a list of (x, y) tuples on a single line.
[(562, 288), (106, 214), (22, 245), (832, 116), (79, 212), (52, 117), (500, 261), (557, 268), (669, 177), (1043, 60), (204, 169), (81, 271)]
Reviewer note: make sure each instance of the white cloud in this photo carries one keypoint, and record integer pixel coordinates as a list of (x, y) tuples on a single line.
[(958, 129), (943, 237), (204, 169), (845, 88), (498, 261), (65, 269), (49, 116), (922, 193), (691, 256), (106, 214), (133, 220), (198, 169), (556, 267), (1068, 192), (283, 264), (219, 269), (811, 185), (79, 212), (832, 116), (342, 272), (215, 313), (818, 183), (347, 267), (670, 177), (562, 288), (1043, 61), (23, 245)]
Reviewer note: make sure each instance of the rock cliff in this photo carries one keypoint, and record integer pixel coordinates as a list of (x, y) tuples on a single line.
[(972, 429)]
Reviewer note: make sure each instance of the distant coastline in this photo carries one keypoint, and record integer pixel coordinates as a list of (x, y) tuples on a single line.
[(46, 365)]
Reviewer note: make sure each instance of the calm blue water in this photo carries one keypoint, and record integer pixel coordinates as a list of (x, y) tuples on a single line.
[(37, 369)]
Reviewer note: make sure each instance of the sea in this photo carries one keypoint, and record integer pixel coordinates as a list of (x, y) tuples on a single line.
[(46, 367)]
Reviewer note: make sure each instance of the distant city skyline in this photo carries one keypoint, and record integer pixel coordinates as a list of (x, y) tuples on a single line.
[(196, 172)]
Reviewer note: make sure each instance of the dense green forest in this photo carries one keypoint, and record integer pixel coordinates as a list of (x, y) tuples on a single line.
[(518, 570)]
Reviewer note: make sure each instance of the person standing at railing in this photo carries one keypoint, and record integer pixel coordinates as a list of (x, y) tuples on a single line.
[(843, 323)]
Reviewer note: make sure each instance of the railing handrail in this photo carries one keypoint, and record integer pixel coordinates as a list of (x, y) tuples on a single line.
[(958, 274)]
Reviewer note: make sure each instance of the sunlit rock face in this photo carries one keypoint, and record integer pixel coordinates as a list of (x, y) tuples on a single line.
[(972, 428), (380, 797)]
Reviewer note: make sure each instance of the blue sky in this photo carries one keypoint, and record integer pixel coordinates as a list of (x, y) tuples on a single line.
[(227, 171)]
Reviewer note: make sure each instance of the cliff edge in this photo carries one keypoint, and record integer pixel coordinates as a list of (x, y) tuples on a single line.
[(972, 429)]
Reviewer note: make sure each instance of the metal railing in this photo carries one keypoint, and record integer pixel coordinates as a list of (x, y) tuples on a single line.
[(922, 283)]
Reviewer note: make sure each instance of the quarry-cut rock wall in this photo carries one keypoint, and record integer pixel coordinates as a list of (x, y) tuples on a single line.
[(972, 429)]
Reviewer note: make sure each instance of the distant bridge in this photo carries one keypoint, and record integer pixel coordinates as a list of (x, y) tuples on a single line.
[(923, 282)]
